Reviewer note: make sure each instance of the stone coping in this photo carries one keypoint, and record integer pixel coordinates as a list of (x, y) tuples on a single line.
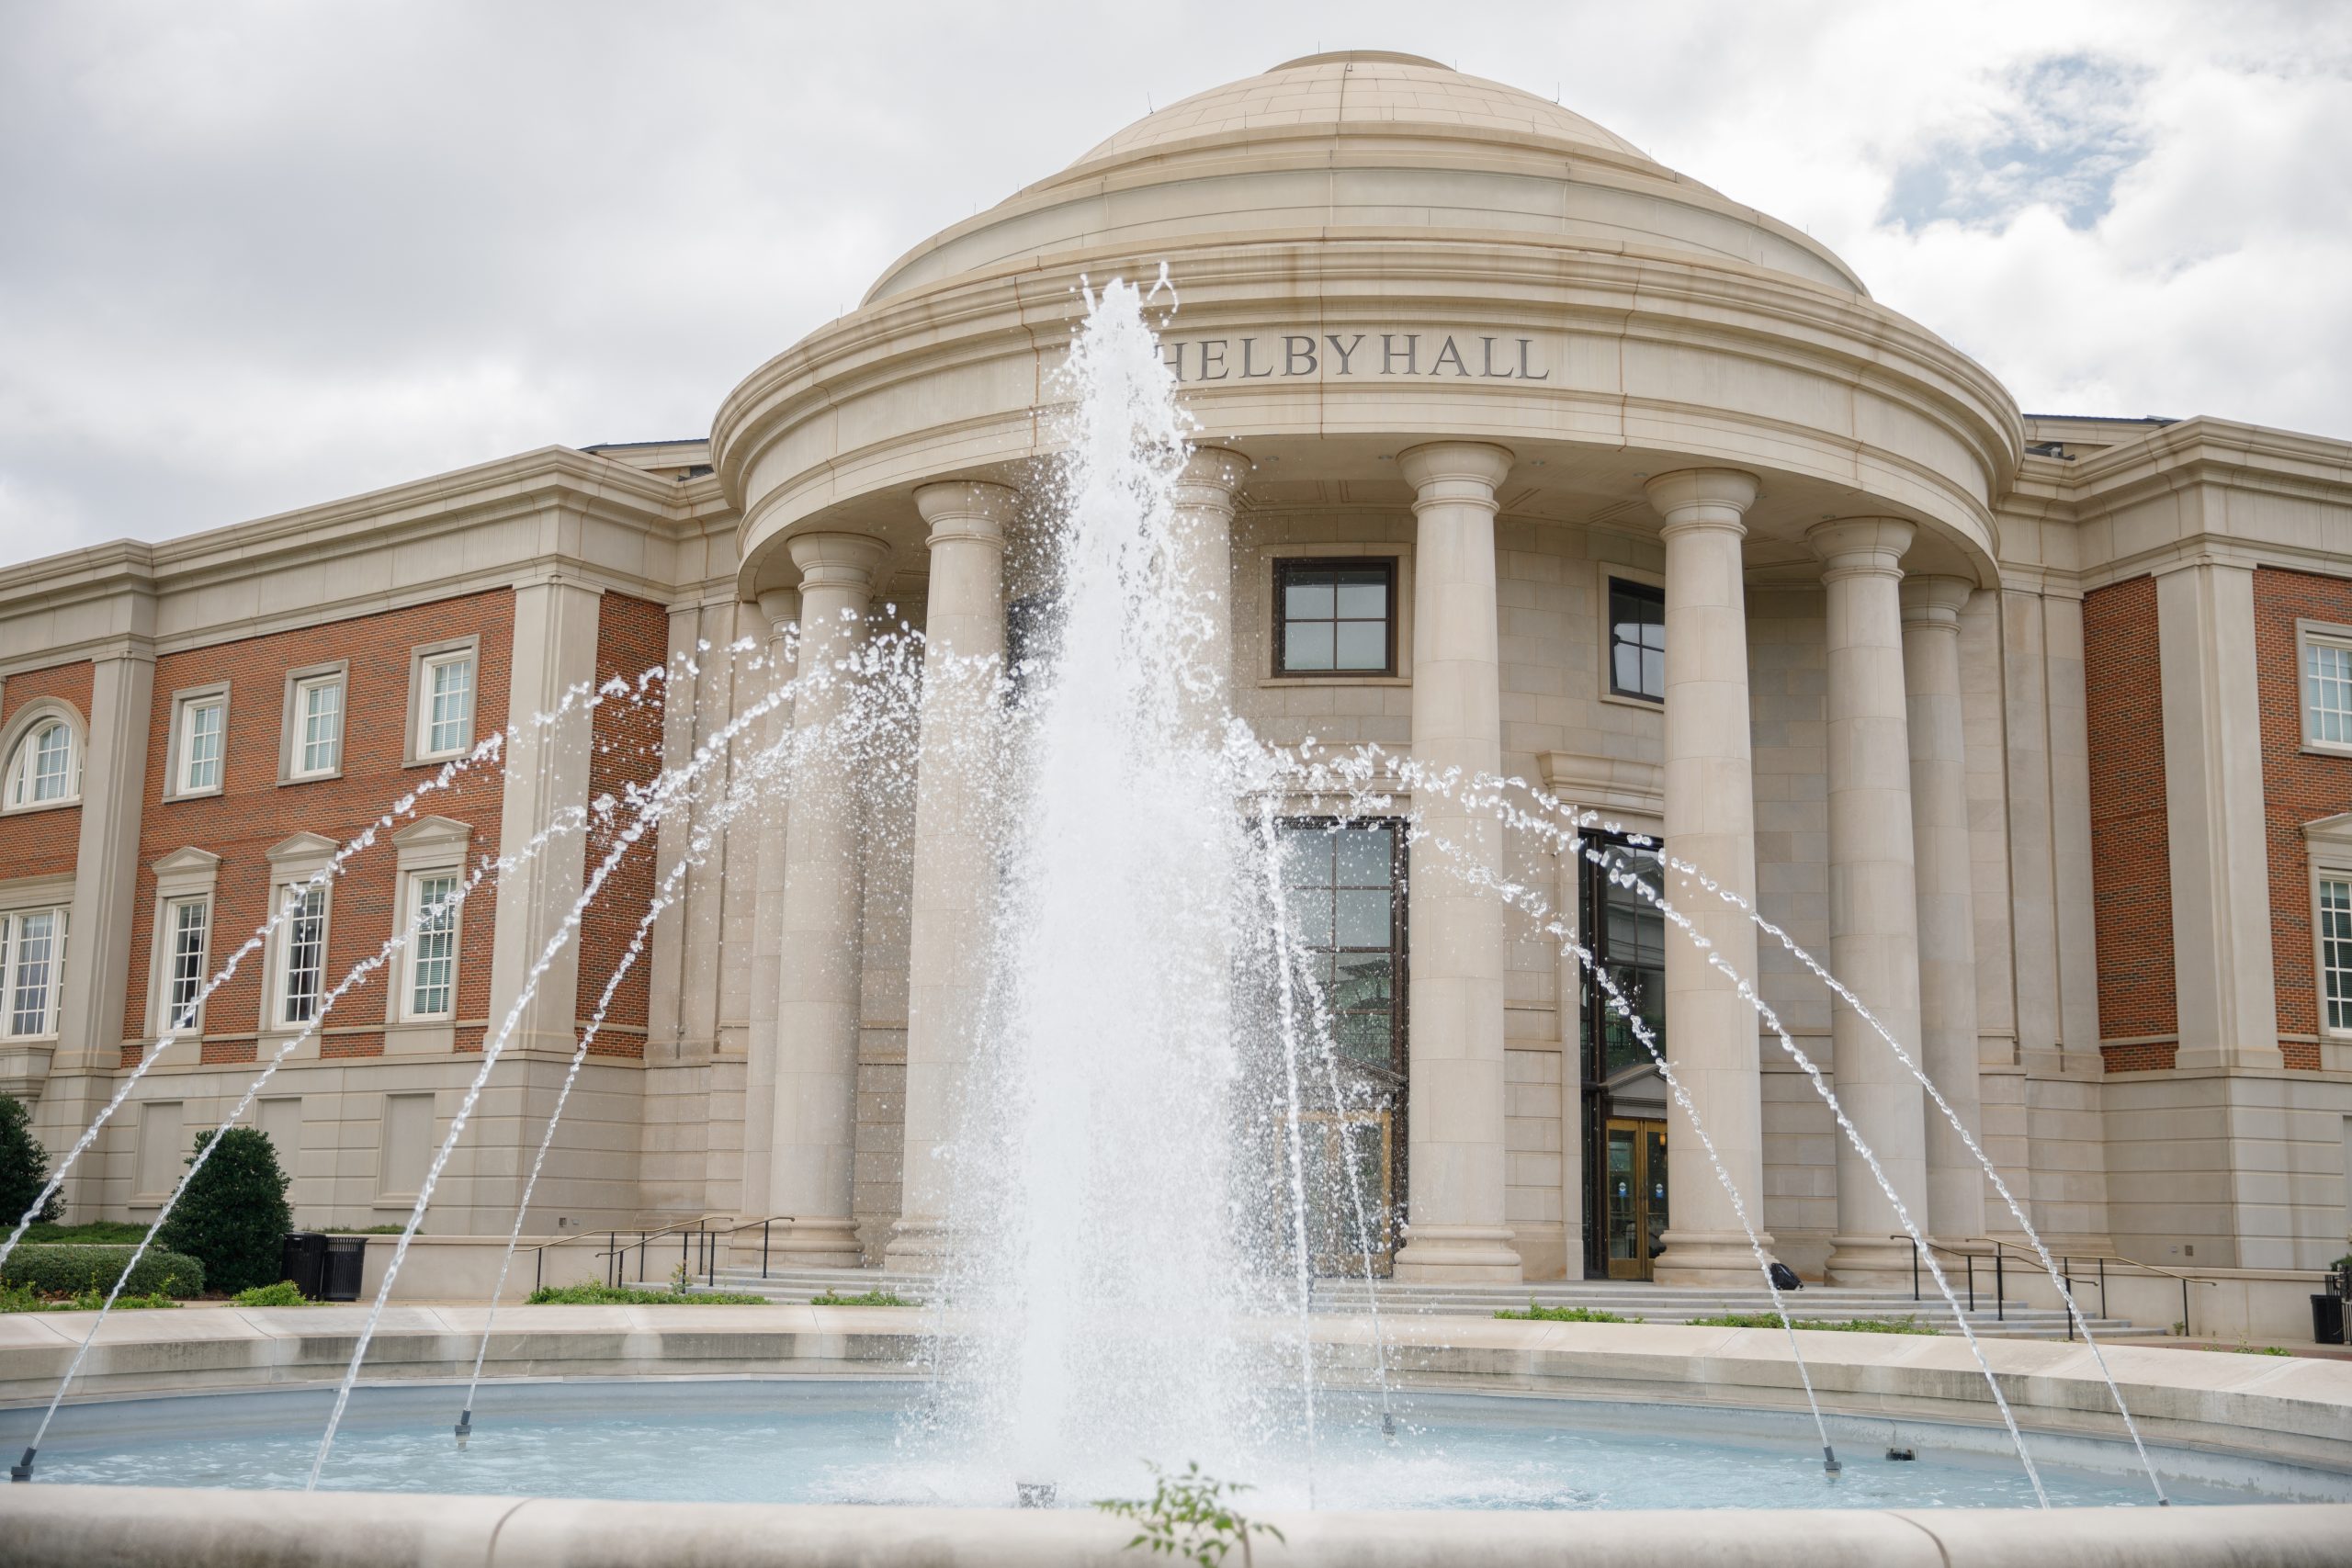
[(2287, 1409), (62, 1527)]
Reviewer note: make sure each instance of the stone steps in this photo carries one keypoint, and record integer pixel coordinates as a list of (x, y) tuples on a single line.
[(1654, 1303)]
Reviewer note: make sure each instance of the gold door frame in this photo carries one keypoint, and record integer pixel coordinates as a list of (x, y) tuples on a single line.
[(1634, 1195)]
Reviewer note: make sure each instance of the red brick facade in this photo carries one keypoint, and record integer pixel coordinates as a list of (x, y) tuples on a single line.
[(2130, 863), (2297, 787), (632, 637), (43, 843), (254, 811)]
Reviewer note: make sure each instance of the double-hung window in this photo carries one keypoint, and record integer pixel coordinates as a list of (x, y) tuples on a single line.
[(1335, 617), (302, 938), (445, 704), (202, 743), (188, 932), (2326, 656), (433, 946), (33, 955), (42, 769), (315, 749), (2334, 912)]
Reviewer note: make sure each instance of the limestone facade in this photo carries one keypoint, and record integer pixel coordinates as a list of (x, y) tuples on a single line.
[(2021, 724)]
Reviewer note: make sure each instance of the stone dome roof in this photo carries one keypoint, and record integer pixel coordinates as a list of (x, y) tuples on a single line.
[(1360, 88)]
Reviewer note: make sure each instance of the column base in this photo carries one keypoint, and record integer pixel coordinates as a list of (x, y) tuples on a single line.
[(1863, 1261), (1458, 1254), (814, 1243), (1721, 1259), (918, 1246)]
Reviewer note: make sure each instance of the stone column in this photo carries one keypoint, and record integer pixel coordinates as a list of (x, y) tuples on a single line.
[(1710, 823), (779, 608), (1946, 1047), (820, 942), (1456, 1229), (1873, 896), (955, 869), (1206, 498)]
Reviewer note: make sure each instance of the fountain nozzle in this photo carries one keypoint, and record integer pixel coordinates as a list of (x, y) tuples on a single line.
[(1035, 1494), (465, 1427), (1829, 1466), (23, 1469), (1388, 1424)]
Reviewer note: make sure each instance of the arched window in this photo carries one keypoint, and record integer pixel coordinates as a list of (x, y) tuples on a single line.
[(43, 769)]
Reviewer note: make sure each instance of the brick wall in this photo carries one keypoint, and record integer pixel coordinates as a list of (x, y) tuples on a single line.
[(2130, 863), (253, 812), (632, 637), (2297, 787), (41, 844)]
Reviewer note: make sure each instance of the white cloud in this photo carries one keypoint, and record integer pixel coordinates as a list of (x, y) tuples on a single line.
[(266, 255)]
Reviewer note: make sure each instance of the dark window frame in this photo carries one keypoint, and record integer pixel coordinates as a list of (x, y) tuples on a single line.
[(1285, 567), (1648, 592)]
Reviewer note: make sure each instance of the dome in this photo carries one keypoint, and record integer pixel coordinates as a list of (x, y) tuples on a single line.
[(1360, 147), (1365, 89)]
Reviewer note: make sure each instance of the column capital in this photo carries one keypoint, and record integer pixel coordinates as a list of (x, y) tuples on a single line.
[(1213, 469), (1455, 470), (1935, 602), (838, 560), (1703, 497), (1860, 546), (967, 509), (780, 608)]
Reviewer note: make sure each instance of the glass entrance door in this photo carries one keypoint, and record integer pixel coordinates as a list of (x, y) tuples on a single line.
[(1635, 1199)]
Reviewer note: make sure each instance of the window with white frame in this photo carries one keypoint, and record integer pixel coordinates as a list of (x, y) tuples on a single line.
[(302, 940), (444, 704), (2333, 916), (202, 743), (32, 956), (315, 748), (42, 771), (2327, 687), (187, 934), (433, 947)]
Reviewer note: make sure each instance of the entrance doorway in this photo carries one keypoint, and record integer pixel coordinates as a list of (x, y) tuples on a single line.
[(1624, 1095), (1635, 1201)]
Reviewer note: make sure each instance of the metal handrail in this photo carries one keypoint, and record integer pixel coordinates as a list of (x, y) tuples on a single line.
[(699, 1225), (2066, 1262), (764, 1222)]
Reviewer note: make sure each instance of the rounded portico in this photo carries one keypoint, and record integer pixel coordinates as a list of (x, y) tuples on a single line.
[(1446, 340)]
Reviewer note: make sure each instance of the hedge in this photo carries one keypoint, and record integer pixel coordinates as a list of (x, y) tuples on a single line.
[(66, 1271)]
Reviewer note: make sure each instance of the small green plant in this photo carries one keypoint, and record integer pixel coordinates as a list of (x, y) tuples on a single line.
[(285, 1293), (24, 1165), (52, 1271), (233, 1216), (98, 1233), (865, 1298), (625, 1295), (1829, 1325), (368, 1230), (1188, 1516), (1566, 1315)]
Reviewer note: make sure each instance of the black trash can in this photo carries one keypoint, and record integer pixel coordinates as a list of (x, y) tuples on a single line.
[(346, 1257), (2327, 1319), (304, 1261)]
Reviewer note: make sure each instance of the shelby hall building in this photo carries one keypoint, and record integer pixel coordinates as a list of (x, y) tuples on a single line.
[(1519, 451)]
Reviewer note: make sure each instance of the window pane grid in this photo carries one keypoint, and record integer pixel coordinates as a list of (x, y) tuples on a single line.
[(191, 918), (1335, 619), (29, 953), (1636, 640), (433, 972), (1339, 895), (450, 704), (321, 708), (53, 762), (306, 942), (2335, 952), (2327, 693), (201, 766)]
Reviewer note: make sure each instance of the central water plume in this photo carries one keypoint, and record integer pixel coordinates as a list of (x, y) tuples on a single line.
[(1097, 1246)]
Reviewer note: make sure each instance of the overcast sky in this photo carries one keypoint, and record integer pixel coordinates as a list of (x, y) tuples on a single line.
[(257, 256)]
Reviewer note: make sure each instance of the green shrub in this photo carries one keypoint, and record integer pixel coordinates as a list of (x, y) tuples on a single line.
[(1566, 1315), (233, 1216), (865, 1298), (98, 1233), (72, 1270), (1832, 1324), (24, 1166), (284, 1294), (625, 1295)]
